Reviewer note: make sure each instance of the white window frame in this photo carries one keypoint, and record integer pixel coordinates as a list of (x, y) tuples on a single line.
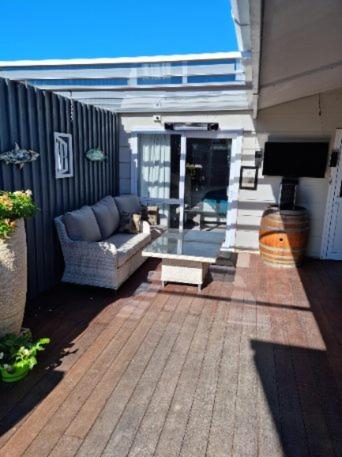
[(330, 208), (234, 172), (63, 145)]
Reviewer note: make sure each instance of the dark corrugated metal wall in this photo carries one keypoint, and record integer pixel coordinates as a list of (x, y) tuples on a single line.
[(30, 116)]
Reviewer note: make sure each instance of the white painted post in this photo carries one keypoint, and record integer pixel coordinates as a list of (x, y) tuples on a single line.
[(233, 193), (134, 164), (182, 181)]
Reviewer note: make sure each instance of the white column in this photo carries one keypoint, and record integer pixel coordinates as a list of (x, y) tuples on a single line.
[(182, 181), (233, 193)]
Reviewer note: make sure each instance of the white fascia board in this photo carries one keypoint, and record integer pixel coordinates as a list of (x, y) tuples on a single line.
[(121, 72), (233, 85), (205, 108), (90, 95), (241, 18), (123, 60), (247, 17)]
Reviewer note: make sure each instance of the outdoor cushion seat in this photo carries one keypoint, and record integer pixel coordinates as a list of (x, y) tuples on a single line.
[(107, 216), (128, 244)]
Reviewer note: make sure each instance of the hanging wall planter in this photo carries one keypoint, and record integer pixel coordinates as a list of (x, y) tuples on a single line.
[(14, 206)]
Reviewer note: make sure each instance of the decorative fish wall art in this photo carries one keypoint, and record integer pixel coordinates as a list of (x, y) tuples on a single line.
[(95, 155), (19, 156)]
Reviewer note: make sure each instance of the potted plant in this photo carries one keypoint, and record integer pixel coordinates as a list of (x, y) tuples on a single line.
[(14, 206), (18, 355)]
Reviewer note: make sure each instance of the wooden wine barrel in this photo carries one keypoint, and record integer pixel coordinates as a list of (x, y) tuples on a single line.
[(283, 236)]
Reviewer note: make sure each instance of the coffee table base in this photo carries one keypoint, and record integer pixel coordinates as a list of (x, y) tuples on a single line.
[(184, 271)]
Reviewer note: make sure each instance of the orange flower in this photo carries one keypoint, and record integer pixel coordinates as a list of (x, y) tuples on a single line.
[(6, 202)]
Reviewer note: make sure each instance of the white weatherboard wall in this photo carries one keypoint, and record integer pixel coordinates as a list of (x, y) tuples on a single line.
[(312, 118)]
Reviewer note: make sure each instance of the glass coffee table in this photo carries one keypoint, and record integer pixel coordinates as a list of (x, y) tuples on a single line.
[(185, 255)]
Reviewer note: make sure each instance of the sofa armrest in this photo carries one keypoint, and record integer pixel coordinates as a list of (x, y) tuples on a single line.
[(146, 228), (77, 250)]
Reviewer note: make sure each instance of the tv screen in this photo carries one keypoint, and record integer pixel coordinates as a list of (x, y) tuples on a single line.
[(295, 159)]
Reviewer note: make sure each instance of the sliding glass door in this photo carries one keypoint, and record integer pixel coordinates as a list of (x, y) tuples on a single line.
[(187, 176), (206, 183)]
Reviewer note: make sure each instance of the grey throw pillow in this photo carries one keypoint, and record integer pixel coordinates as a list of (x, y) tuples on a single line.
[(128, 204), (81, 225), (107, 216)]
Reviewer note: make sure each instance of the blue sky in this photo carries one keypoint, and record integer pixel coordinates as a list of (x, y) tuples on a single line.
[(42, 29)]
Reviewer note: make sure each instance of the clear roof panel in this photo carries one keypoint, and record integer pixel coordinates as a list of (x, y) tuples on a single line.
[(219, 81)]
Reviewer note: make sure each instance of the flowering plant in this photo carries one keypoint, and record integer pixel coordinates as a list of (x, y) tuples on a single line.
[(14, 205), (19, 352)]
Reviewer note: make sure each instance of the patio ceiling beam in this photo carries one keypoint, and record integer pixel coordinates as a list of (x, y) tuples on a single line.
[(198, 107), (127, 60), (237, 101), (302, 85), (205, 101), (167, 87), (150, 71), (84, 96)]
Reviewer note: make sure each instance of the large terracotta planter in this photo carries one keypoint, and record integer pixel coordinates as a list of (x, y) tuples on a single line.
[(13, 280)]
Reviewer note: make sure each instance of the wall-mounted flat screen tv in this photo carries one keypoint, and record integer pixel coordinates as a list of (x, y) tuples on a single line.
[(295, 159)]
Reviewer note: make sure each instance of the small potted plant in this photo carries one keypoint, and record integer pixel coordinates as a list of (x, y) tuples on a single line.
[(14, 206), (18, 355)]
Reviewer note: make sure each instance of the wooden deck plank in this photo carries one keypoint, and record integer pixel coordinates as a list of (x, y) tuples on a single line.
[(220, 439), (245, 432), (269, 442), (69, 339), (127, 366), (35, 423), (97, 438), (251, 366), (146, 439), (197, 430), (324, 410), (100, 377), (170, 440), (316, 429), (292, 430), (41, 387), (123, 435)]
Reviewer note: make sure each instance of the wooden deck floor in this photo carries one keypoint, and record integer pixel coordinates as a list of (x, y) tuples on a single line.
[(251, 367)]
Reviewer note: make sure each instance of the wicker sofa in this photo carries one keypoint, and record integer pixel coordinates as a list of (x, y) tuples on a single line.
[(95, 252)]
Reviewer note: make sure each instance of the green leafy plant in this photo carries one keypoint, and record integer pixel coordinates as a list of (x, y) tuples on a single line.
[(19, 353), (14, 205)]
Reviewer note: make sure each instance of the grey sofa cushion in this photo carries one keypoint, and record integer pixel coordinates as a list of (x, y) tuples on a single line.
[(128, 244), (107, 216), (81, 225), (128, 204)]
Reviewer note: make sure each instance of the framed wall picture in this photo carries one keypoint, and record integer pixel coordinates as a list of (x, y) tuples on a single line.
[(64, 161), (248, 178)]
